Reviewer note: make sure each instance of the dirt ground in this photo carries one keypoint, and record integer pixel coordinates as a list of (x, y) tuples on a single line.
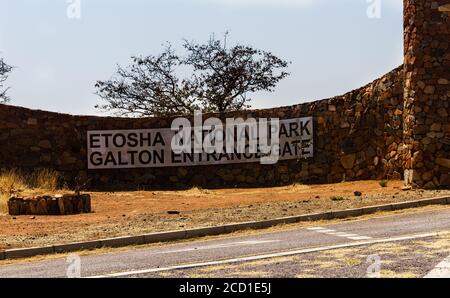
[(128, 213)]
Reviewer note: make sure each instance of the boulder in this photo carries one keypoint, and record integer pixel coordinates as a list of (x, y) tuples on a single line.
[(14, 206), (41, 207), (445, 180), (348, 161), (444, 162)]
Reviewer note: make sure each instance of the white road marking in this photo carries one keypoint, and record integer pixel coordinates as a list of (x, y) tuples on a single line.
[(442, 270), (347, 235), (339, 234), (360, 238), (316, 229), (226, 245), (326, 231), (271, 255)]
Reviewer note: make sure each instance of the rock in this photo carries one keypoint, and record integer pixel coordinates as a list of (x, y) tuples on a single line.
[(390, 140), (32, 121), (52, 206), (436, 127), (65, 205), (32, 203), (418, 156), (443, 112), (429, 185), (182, 172), (427, 176), (61, 206), (252, 180), (370, 152), (345, 125), (406, 188), (443, 162), (45, 158), (41, 207), (443, 81), (348, 161), (77, 205), (332, 108), (426, 141), (429, 89), (86, 203), (283, 169), (376, 161), (396, 176), (198, 180), (445, 180), (14, 206), (446, 128), (45, 144)]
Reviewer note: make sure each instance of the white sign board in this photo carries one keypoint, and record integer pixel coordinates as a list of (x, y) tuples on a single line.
[(151, 148)]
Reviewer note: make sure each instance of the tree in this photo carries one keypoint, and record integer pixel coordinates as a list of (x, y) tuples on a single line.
[(221, 80), (5, 69)]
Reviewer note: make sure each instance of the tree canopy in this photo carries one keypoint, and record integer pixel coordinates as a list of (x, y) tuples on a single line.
[(221, 79), (5, 69)]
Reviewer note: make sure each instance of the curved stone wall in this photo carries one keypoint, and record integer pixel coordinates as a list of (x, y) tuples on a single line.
[(356, 136), (427, 93), (398, 125)]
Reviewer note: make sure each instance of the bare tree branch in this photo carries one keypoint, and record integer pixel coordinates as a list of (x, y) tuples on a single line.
[(5, 69), (221, 80)]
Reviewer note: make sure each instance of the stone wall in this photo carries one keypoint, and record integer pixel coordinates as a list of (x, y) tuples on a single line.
[(427, 93), (398, 125), (357, 136), (50, 205)]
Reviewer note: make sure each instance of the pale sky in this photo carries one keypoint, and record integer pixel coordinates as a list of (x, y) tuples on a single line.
[(333, 45)]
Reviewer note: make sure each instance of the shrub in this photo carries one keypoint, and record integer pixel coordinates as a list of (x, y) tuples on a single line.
[(384, 183)]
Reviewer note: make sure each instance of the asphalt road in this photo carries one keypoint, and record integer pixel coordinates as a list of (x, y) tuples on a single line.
[(141, 261)]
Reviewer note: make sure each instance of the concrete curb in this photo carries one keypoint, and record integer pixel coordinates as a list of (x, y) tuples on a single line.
[(212, 231)]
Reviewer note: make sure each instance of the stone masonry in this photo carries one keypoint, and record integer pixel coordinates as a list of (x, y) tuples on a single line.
[(427, 93), (357, 136), (50, 205), (397, 126)]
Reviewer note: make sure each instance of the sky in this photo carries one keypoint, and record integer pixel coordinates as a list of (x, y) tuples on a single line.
[(59, 52)]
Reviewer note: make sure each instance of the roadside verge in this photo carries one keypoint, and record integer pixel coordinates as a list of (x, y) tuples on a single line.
[(213, 231)]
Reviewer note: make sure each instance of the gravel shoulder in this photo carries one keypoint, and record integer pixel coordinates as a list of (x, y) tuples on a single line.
[(130, 213)]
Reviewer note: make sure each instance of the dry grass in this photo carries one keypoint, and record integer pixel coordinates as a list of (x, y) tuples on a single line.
[(196, 191), (13, 182), (3, 203), (44, 179), (392, 274)]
